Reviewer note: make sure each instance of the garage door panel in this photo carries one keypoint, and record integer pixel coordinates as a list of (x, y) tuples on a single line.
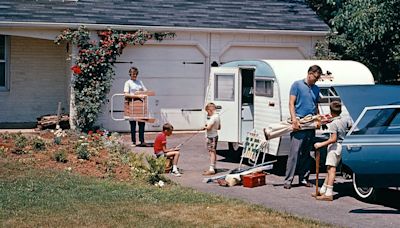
[(177, 102), (177, 85), (176, 88), (163, 110), (146, 52), (238, 53), (163, 69)]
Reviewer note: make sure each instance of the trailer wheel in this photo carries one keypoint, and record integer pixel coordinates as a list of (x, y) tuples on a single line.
[(235, 151)]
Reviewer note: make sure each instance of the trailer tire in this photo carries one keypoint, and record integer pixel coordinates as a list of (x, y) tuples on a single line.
[(235, 151)]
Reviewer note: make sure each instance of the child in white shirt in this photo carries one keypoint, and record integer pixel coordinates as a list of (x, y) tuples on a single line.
[(213, 124)]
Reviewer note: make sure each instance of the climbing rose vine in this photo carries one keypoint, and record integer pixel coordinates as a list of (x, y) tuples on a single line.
[(93, 69)]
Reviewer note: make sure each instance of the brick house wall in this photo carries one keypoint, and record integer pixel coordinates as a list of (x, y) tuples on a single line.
[(37, 80)]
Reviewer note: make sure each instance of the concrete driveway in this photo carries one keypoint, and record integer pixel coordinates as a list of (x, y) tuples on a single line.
[(345, 210)]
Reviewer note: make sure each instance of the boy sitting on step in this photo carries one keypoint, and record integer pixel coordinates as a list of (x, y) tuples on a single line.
[(160, 148)]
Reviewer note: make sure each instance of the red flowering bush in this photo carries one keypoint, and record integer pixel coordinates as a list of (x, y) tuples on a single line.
[(76, 69), (93, 69)]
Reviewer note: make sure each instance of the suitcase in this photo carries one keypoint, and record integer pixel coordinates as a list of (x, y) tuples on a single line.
[(253, 180)]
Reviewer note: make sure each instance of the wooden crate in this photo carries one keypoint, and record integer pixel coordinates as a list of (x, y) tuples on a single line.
[(253, 180)]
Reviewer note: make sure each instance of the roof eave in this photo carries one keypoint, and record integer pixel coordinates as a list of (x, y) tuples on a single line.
[(48, 25)]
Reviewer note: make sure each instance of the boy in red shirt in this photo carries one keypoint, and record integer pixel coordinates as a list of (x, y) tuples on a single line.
[(160, 147)]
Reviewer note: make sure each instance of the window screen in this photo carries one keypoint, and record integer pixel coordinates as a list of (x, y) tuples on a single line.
[(224, 87), (264, 88), (327, 95)]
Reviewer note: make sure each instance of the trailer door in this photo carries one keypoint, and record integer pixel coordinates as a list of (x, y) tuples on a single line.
[(225, 94)]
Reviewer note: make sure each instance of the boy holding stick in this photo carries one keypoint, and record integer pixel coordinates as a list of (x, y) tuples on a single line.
[(337, 129), (212, 126)]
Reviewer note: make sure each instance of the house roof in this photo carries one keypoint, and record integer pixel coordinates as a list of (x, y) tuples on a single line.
[(220, 14)]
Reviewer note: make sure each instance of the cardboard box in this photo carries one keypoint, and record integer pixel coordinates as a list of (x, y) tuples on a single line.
[(253, 180)]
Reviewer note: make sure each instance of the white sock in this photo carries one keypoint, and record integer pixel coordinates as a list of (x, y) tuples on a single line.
[(212, 168), (174, 168), (322, 190), (329, 190)]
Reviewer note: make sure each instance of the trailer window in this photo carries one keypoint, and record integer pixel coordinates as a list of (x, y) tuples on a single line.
[(264, 88), (327, 95), (224, 87)]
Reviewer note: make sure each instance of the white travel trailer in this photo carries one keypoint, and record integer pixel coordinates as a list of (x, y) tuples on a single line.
[(253, 94)]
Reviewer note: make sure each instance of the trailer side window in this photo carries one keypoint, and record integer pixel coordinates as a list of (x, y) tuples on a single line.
[(264, 88), (327, 95), (224, 87)]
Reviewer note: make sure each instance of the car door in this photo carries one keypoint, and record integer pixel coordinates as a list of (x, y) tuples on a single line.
[(371, 149)]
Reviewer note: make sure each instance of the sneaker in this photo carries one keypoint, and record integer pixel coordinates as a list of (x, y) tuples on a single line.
[(208, 172), (176, 173), (287, 186), (305, 183), (142, 144)]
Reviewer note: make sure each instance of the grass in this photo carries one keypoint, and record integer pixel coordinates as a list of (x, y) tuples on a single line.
[(47, 198)]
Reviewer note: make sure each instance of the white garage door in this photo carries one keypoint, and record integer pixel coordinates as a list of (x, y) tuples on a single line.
[(240, 53), (176, 74)]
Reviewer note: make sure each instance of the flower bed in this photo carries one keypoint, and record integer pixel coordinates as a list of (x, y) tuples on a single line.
[(99, 153)]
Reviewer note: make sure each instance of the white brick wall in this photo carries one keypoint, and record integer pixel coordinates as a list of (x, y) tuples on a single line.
[(38, 80)]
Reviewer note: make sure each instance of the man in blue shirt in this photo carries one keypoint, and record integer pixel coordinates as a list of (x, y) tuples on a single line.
[(303, 101)]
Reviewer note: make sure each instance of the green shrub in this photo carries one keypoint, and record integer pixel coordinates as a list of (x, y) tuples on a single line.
[(38, 144), (6, 136), (61, 156), (3, 150), (20, 151), (21, 141), (156, 169), (82, 151), (111, 164), (57, 140)]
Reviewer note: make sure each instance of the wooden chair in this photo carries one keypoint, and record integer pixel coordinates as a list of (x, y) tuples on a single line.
[(137, 109)]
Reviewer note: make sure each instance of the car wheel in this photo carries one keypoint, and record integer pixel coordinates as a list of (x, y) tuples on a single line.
[(365, 193)]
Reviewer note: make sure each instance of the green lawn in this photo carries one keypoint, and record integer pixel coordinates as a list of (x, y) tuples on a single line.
[(32, 197)]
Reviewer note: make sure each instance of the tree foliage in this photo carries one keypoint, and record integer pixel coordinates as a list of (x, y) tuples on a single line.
[(326, 9), (366, 31)]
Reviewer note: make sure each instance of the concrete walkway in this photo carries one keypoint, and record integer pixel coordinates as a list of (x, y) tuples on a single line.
[(345, 210)]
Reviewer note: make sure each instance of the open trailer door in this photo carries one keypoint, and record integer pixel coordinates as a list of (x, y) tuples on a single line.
[(223, 90)]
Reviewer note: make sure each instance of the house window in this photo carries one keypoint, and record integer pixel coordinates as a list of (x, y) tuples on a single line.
[(3, 63), (224, 87), (264, 88)]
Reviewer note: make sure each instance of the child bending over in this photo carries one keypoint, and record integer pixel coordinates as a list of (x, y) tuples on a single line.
[(337, 129)]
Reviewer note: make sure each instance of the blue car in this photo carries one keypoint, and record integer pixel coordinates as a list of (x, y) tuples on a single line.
[(371, 149)]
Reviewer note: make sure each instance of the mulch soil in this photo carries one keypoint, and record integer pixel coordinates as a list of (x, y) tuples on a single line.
[(99, 165)]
